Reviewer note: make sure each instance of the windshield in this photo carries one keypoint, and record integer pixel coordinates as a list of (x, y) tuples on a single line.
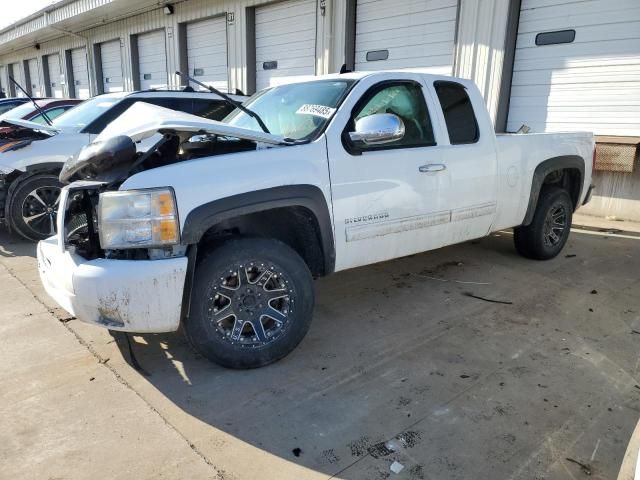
[(297, 111), (85, 112), (18, 112)]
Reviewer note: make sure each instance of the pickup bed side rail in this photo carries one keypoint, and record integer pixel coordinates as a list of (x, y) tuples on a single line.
[(545, 168)]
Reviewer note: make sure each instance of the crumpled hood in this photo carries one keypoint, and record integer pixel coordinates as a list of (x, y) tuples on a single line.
[(143, 120), (26, 124)]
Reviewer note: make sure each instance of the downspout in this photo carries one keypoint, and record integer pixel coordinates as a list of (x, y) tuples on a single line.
[(88, 50)]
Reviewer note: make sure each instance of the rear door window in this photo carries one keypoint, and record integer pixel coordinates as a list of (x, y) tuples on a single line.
[(458, 113)]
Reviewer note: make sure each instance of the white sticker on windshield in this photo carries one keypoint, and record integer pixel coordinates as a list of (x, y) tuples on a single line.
[(316, 110)]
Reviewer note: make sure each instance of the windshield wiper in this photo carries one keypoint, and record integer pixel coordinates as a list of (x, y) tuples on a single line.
[(40, 111), (229, 100)]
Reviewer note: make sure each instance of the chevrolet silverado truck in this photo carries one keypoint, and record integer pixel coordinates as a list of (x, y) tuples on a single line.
[(221, 226)]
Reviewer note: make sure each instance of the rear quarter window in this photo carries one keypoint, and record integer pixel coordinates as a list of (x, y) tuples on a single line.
[(458, 113)]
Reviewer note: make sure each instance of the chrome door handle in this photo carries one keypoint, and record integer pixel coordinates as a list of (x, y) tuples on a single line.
[(432, 167)]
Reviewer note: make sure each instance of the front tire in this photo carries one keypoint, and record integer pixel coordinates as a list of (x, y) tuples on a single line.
[(33, 207), (549, 230), (252, 303)]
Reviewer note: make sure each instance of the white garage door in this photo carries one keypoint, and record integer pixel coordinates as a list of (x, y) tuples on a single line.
[(207, 52), (111, 66), (55, 76), (16, 72), (34, 78), (152, 58), (408, 34), (80, 73), (285, 41), (591, 82)]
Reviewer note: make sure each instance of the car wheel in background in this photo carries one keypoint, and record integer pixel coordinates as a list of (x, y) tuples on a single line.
[(33, 207)]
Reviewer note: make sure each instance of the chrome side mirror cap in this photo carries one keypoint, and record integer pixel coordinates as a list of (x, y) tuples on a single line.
[(378, 129)]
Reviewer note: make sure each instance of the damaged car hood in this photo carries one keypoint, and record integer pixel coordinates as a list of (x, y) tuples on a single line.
[(143, 120), (26, 124)]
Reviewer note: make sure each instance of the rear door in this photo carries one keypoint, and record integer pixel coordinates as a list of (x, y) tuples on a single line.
[(470, 158), (389, 200)]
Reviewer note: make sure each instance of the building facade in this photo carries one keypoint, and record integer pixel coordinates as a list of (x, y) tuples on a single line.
[(552, 65)]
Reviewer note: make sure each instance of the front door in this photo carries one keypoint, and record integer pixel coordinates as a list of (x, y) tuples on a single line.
[(389, 200)]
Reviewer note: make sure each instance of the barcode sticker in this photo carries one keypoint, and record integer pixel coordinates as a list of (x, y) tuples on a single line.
[(316, 110)]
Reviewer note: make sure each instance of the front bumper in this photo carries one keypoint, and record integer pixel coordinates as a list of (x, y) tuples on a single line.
[(142, 296)]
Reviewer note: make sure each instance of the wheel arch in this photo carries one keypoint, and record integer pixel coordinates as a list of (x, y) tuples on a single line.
[(303, 201), (565, 169)]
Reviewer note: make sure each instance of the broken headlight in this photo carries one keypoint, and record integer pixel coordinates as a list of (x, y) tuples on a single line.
[(138, 218)]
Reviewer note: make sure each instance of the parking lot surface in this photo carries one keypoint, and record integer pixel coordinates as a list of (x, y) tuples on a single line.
[(465, 362)]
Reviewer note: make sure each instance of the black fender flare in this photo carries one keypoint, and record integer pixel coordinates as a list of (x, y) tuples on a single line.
[(545, 168), (202, 218)]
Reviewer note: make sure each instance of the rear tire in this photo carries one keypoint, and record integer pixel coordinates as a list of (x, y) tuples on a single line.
[(33, 207), (252, 303), (549, 230)]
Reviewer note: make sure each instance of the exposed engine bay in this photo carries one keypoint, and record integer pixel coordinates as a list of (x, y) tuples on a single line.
[(103, 166)]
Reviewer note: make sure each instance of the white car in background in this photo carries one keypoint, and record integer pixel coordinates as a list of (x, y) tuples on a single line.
[(32, 154)]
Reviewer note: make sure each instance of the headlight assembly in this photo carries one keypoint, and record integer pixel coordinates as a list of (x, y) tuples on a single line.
[(138, 219)]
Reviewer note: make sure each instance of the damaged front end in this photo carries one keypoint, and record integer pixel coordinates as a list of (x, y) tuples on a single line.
[(118, 260)]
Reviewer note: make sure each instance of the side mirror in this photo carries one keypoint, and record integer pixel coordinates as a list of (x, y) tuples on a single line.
[(378, 129)]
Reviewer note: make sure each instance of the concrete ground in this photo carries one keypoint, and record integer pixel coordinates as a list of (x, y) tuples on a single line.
[(400, 365)]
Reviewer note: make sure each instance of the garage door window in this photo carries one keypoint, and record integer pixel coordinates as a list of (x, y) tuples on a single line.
[(458, 113), (407, 102)]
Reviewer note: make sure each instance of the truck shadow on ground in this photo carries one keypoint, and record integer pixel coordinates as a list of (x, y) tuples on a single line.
[(402, 364)]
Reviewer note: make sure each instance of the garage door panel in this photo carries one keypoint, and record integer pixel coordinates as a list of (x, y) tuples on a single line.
[(575, 13), (303, 55), (152, 59), (207, 51), (55, 76), (607, 51), (590, 84), (16, 72), (443, 39), (413, 34), (111, 62), (280, 13), (34, 78), (80, 73), (286, 38), (589, 34), (424, 22)]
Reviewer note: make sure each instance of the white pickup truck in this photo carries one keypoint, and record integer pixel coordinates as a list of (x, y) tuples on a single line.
[(222, 226)]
